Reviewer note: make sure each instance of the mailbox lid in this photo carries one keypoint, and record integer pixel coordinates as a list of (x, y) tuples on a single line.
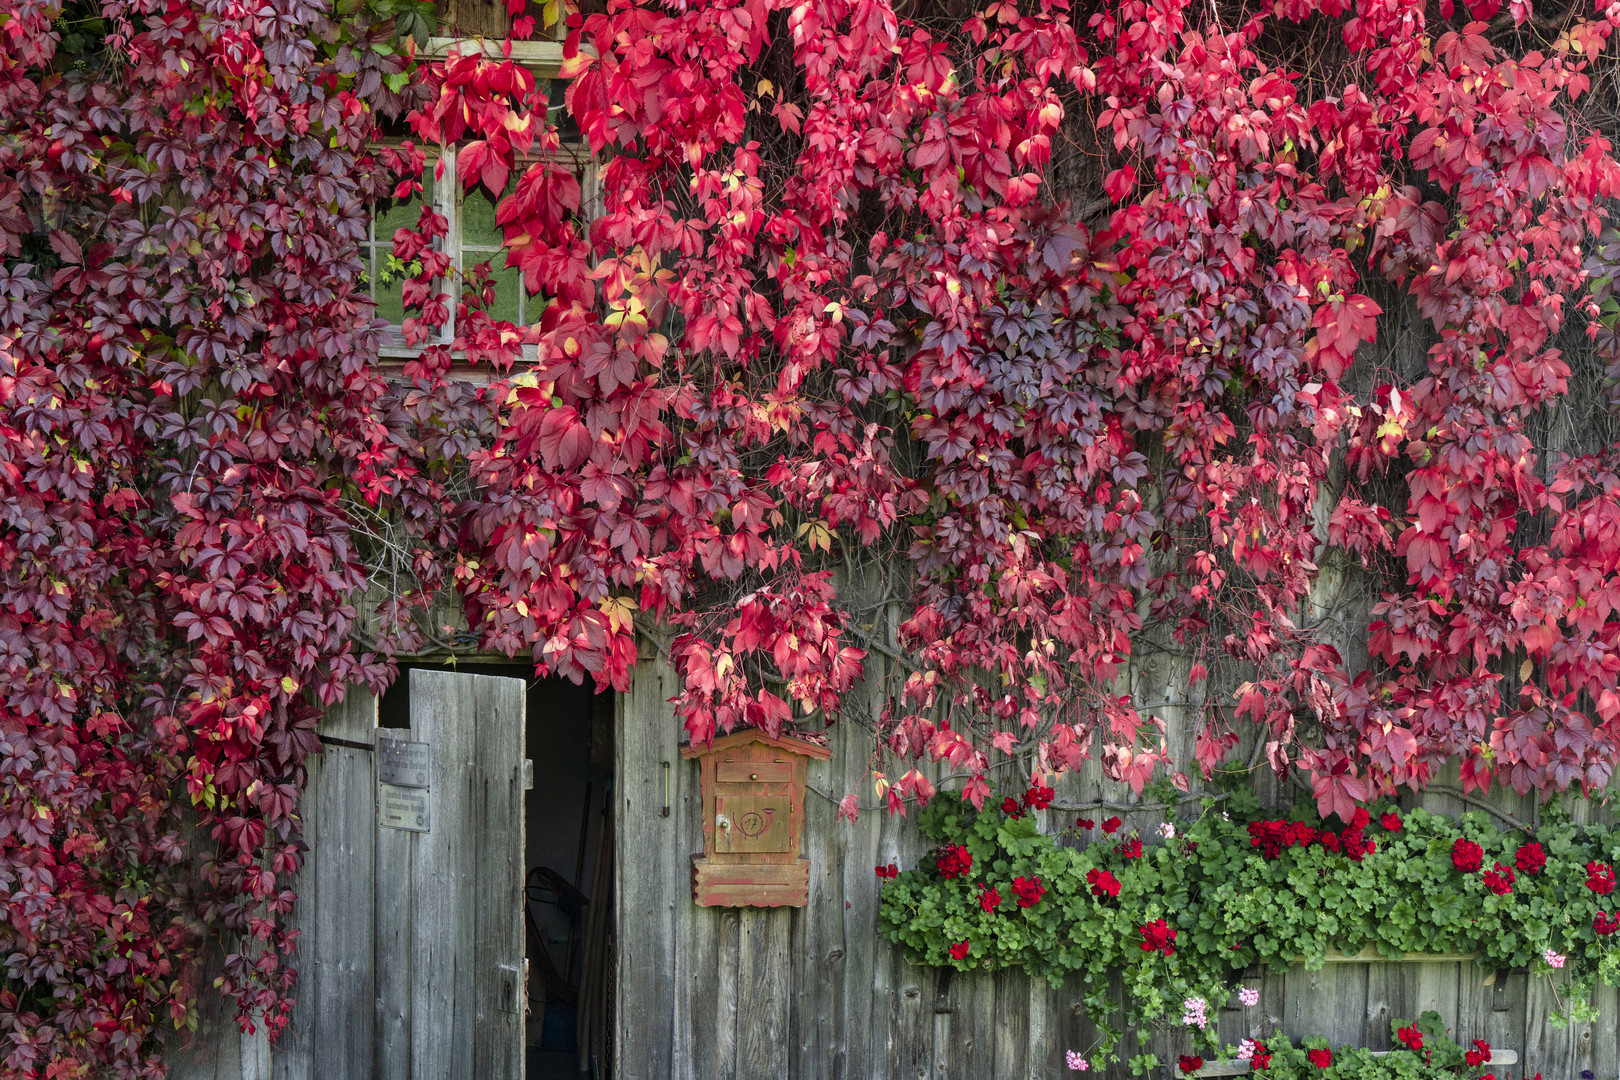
[(753, 824), (753, 772)]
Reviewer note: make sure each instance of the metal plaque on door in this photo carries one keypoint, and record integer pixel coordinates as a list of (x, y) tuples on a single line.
[(404, 808), (403, 771), (403, 763)]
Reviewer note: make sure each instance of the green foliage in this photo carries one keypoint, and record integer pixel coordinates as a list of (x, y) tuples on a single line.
[(1234, 909)]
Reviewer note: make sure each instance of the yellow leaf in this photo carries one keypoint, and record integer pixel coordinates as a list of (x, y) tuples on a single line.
[(621, 613), (1525, 669)]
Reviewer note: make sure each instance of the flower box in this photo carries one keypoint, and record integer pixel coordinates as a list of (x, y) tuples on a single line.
[(1241, 1068)]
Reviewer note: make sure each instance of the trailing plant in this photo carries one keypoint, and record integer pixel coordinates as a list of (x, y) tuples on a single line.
[(188, 405), (836, 316), (1180, 916)]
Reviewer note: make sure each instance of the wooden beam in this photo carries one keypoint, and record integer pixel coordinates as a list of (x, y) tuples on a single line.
[(544, 58)]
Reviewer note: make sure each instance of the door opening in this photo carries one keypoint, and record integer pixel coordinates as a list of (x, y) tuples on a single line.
[(568, 873)]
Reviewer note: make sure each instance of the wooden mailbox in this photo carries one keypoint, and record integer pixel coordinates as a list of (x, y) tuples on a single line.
[(753, 821)]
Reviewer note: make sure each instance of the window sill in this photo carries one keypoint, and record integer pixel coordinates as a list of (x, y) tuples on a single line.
[(544, 58)]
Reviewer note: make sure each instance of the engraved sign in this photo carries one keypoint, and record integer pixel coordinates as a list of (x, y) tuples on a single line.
[(402, 807), (403, 763), (746, 823)]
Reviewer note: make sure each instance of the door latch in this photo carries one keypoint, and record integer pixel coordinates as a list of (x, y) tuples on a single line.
[(511, 988)]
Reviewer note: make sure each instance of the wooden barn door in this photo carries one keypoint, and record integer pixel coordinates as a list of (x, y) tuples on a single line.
[(410, 917), (449, 907)]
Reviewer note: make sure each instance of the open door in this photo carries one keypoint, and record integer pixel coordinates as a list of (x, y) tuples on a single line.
[(449, 881)]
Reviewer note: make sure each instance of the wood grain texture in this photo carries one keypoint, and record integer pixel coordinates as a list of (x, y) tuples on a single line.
[(1386, 1001), (763, 1006), (651, 878), (465, 934), (332, 1028), (816, 993), (394, 951)]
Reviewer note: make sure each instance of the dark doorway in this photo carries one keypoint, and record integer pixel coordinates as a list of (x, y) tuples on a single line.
[(568, 833)]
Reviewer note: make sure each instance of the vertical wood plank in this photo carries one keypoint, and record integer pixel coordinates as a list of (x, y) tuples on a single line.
[(1605, 1036), (214, 1053), (721, 1059), (696, 1010), (395, 915), (643, 872), (1433, 986), (818, 955), (1012, 1023), (466, 878), (1552, 1051), (1386, 1001), (495, 876), (1330, 1002), (763, 1009), (1478, 1012), (331, 1031), (706, 972), (846, 1053), (860, 1048), (944, 1018), (1047, 1030), (907, 1050), (441, 932)]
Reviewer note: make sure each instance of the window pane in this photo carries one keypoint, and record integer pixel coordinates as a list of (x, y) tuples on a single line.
[(478, 228), (390, 300), (508, 283), (402, 213)]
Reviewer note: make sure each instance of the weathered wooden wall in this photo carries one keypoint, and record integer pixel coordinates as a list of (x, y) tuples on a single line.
[(712, 994)]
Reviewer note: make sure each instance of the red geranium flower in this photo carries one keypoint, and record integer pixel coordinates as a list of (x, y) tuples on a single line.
[(1190, 1063), (1010, 807), (1479, 1055), (1112, 825), (1029, 890), (960, 950), (1530, 858), (952, 861), (1604, 925), (1131, 849), (1085, 823), (1261, 1057), (989, 899), (1499, 879), (1038, 797), (889, 871), (1102, 883), (1411, 1037), (1466, 855), (1600, 878), (1390, 820), (1158, 936), (1321, 1058)]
